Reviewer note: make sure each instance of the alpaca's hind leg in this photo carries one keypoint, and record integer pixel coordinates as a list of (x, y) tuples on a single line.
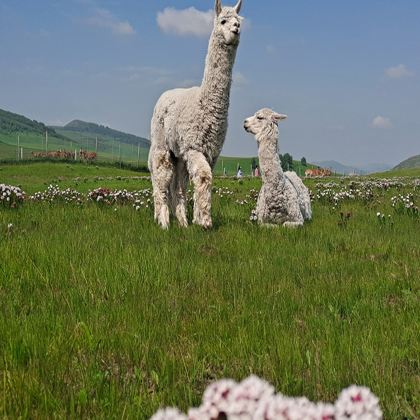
[(178, 193), (295, 216), (162, 169), (201, 176)]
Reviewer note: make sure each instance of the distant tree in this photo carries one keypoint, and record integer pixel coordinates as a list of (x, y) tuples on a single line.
[(282, 161), (286, 162), (303, 162)]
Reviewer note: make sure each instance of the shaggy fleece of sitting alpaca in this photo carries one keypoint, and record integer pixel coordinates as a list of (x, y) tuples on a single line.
[(189, 128), (283, 199)]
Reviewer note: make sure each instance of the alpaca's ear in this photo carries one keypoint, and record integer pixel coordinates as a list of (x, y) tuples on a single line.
[(238, 7), (218, 7), (278, 117)]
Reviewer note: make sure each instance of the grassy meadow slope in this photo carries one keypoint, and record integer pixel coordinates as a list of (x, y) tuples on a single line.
[(412, 162), (93, 130), (408, 172), (31, 134), (7, 151), (104, 315)]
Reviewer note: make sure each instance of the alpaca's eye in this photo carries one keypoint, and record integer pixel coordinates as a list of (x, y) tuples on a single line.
[(223, 21), (260, 118)]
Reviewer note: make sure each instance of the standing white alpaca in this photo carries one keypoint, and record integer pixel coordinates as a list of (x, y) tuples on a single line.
[(189, 128), (283, 198)]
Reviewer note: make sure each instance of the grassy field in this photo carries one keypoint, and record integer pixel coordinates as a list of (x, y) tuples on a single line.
[(38, 175), (34, 142), (103, 315), (410, 172), (231, 166), (107, 151)]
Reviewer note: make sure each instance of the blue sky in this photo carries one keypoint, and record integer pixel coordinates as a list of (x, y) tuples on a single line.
[(346, 73)]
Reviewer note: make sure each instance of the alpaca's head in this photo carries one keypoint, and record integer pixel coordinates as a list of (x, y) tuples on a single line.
[(227, 23), (263, 122)]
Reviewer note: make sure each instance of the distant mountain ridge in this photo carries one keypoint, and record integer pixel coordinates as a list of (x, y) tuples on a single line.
[(411, 162), (348, 169), (92, 130)]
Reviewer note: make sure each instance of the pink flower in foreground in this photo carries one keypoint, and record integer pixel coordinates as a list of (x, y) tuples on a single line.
[(358, 402), (169, 414)]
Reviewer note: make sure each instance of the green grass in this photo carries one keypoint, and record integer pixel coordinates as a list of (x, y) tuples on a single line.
[(108, 148), (7, 151), (231, 165), (104, 315), (36, 142), (38, 175), (410, 172)]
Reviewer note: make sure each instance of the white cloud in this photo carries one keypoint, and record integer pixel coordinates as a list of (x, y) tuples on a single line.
[(239, 79), (381, 122), (270, 49), (186, 21), (105, 19), (398, 72)]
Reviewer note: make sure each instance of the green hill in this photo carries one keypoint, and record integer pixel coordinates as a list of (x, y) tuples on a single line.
[(14, 123), (111, 145), (412, 162), (79, 130)]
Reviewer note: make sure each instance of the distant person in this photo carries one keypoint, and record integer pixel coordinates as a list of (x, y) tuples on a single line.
[(240, 174), (257, 171), (224, 172)]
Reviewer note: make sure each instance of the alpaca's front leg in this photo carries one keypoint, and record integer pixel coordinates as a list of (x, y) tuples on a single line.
[(201, 176)]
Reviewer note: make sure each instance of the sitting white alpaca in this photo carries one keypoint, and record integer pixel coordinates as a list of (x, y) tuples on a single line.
[(283, 198)]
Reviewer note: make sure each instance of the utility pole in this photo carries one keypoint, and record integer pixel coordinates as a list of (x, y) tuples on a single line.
[(96, 145), (119, 151), (18, 147), (138, 155), (46, 141)]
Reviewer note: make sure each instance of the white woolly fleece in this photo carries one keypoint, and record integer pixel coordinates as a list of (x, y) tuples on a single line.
[(189, 128)]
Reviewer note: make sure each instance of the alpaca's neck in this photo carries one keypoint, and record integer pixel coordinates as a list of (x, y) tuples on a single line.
[(215, 88), (271, 171)]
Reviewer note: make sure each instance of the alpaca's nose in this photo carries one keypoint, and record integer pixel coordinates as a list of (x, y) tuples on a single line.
[(236, 27)]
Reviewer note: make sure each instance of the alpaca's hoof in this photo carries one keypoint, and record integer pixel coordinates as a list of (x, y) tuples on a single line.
[(205, 224), (292, 225), (183, 223)]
